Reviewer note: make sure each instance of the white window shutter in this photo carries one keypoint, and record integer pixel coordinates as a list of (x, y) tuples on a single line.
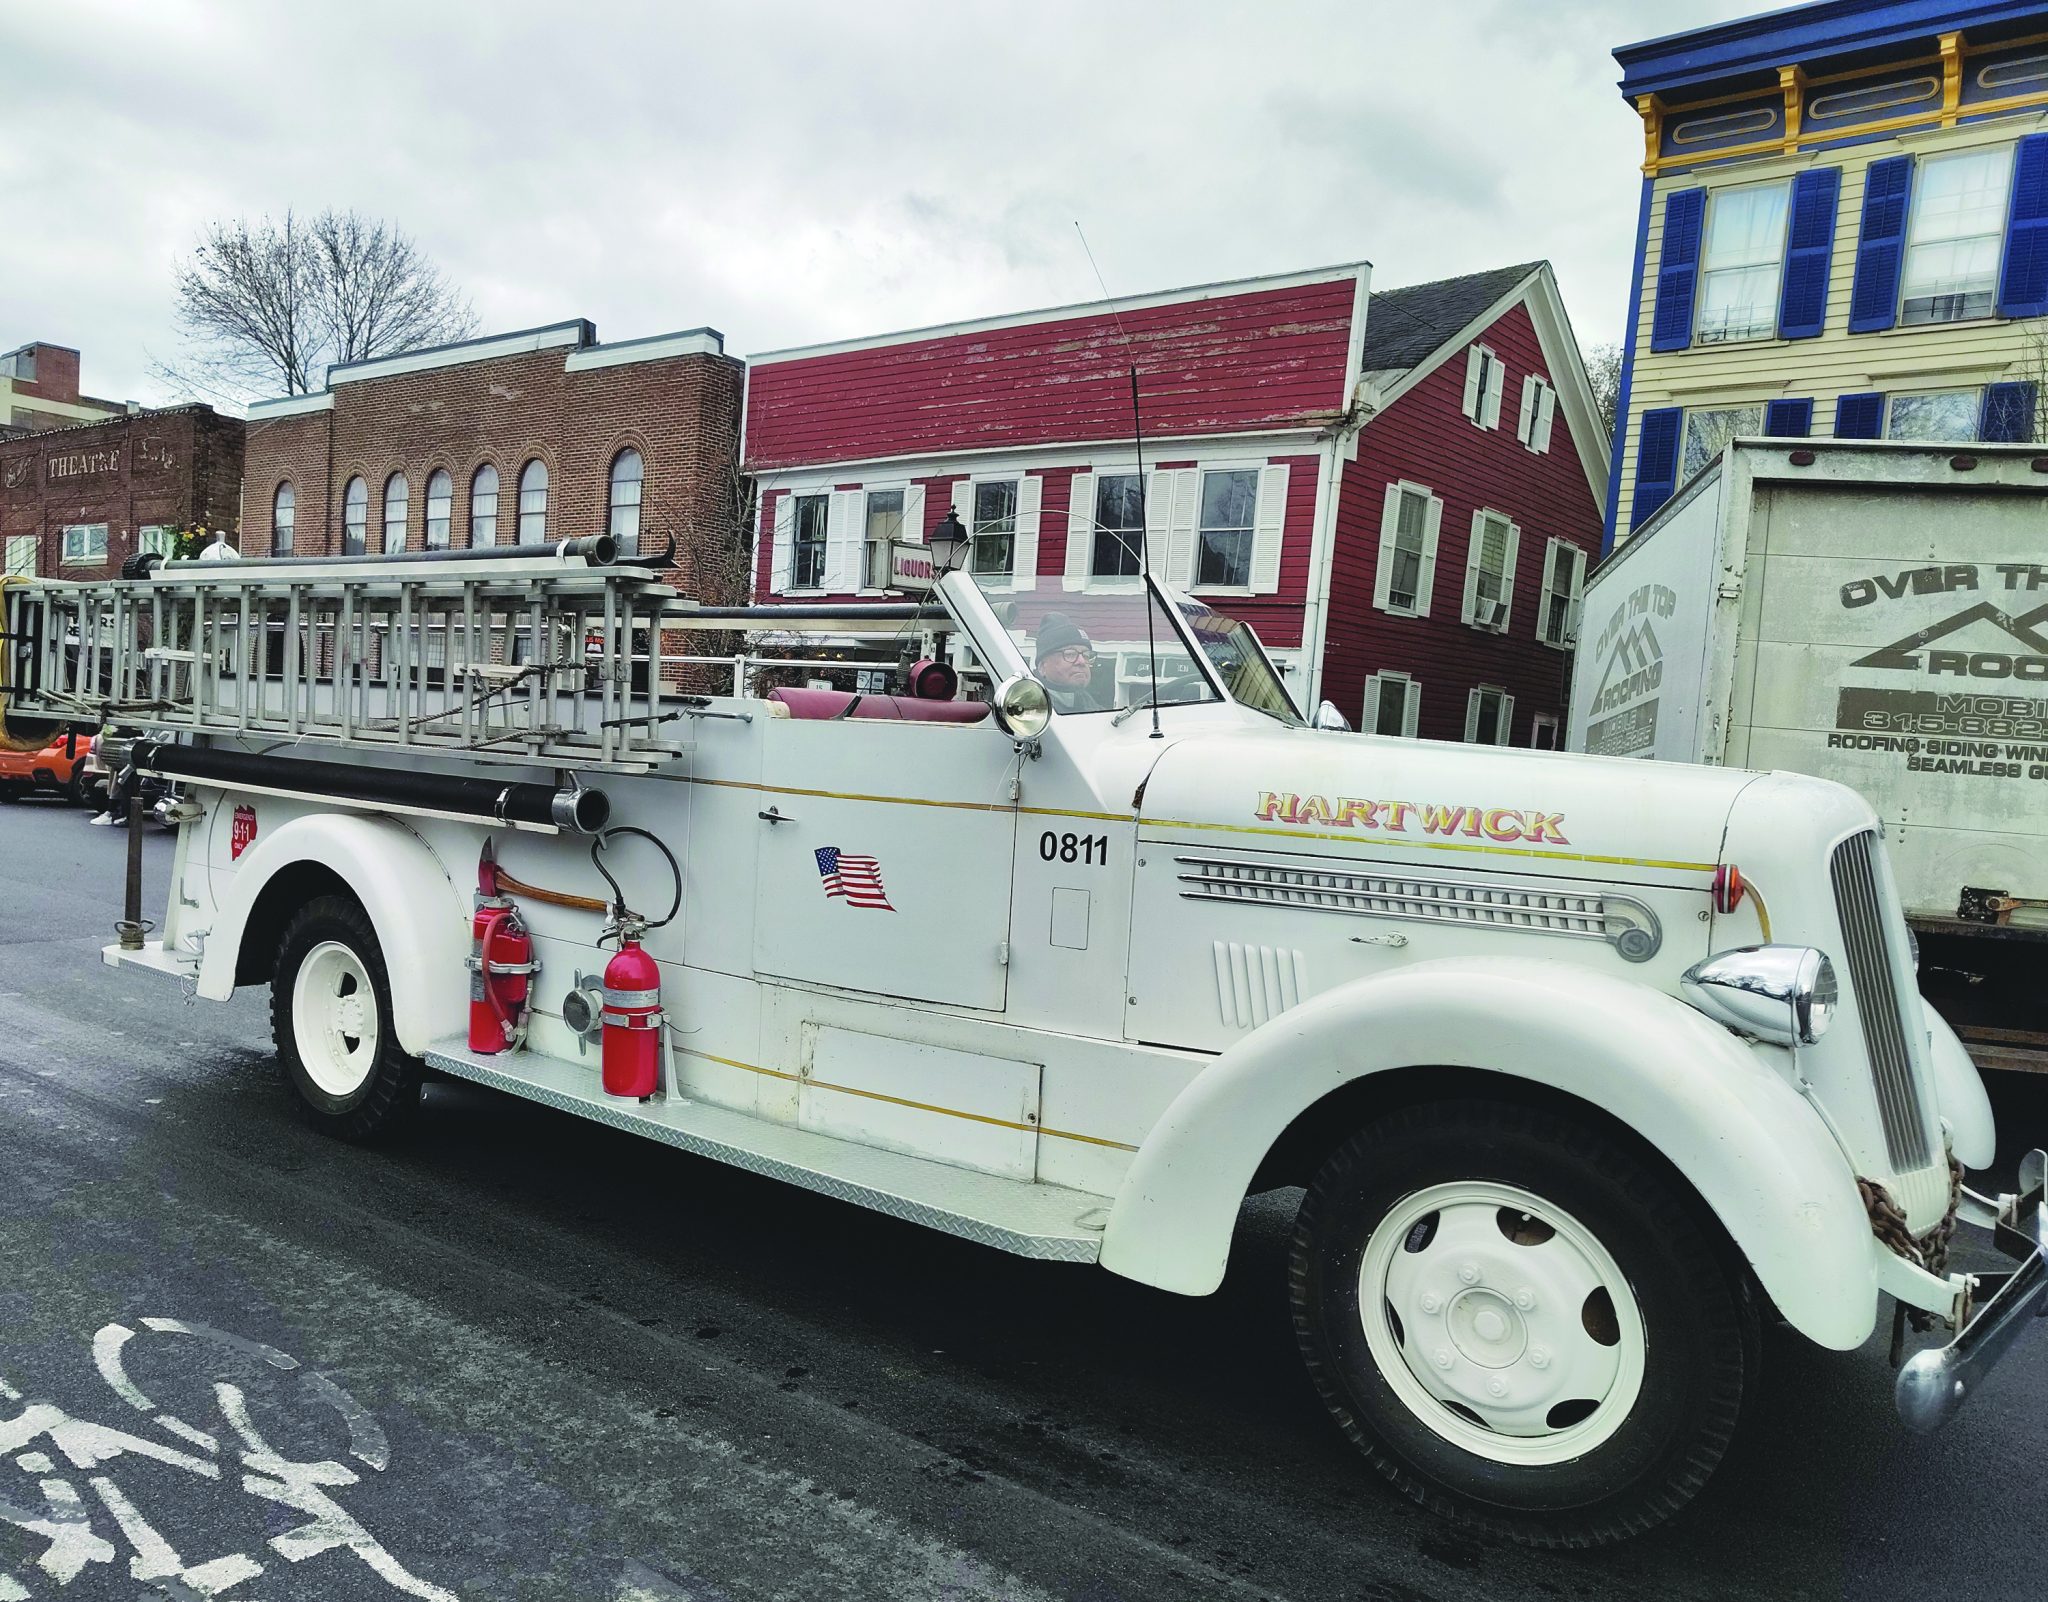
[(1473, 398), (1507, 578), (1024, 549), (1551, 553), (1546, 412), (842, 542), (1268, 525), (913, 513), (963, 503), (1471, 716), (1432, 521), (1525, 428), (1507, 719), (1470, 612), (1383, 574), (1369, 722), (1497, 377), (784, 538), (1411, 708), (1184, 490), (1080, 530)]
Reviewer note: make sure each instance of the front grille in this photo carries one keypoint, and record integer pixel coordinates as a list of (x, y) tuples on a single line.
[(1866, 947)]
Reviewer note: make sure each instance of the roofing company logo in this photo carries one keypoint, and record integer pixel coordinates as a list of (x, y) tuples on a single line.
[(856, 880), (1913, 653), (1623, 712)]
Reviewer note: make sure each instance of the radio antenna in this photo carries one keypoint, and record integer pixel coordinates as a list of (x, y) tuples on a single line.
[(1144, 506)]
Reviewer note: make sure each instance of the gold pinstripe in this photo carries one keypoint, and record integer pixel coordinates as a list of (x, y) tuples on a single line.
[(1484, 849)]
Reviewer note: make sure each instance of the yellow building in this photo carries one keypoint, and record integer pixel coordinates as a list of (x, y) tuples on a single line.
[(39, 389), (1844, 231)]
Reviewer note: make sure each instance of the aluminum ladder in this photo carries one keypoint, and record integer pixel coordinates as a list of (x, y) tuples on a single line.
[(527, 653)]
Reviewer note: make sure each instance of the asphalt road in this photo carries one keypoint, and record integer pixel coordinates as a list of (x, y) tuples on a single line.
[(527, 1357)]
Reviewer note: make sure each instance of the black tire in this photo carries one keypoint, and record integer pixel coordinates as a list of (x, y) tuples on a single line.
[(1700, 1345), (389, 1091), (77, 791)]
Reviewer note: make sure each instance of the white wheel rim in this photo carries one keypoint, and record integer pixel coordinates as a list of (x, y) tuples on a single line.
[(1505, 1349), (334, 1019)]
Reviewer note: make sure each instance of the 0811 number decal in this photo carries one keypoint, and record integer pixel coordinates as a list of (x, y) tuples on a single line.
[(1092, 849)]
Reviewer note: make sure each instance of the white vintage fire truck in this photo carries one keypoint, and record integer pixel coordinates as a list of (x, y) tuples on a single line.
[(1587, 1066)]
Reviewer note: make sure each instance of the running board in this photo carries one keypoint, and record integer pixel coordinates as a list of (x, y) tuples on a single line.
[(1031, 1220)]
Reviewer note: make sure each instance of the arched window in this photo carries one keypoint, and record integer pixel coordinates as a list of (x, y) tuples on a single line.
[(440, 508), (623, 519), (533, 502), (483, 506), (396, 493), (355, 518), (283, 511)]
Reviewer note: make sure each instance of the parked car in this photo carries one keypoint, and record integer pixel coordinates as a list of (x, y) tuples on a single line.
[(57, 767)]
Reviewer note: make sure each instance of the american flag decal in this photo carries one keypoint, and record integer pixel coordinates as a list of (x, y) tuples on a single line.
[(854, 879)]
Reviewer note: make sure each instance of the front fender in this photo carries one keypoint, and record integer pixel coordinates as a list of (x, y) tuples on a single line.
[(421, 917), (1750, 1145), (1959, 1089)]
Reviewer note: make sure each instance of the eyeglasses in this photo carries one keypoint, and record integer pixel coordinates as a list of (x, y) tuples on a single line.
[(1071, 653)]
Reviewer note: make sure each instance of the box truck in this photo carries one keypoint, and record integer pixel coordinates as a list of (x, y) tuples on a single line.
[(1875, 613)]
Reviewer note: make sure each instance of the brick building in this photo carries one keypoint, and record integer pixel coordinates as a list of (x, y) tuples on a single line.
[(77, 502), (1399, 491), (540, 435), (39, 390)]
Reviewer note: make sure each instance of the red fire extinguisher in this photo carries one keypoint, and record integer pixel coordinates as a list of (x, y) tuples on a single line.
[(632, 1018), (501, 965)]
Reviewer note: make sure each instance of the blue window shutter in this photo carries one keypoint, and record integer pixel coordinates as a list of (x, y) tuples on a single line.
[(1859, 416), (2023, 281), (1656, 462), (1788, 419), (1881, 245), (1809, 249), (2008, 414), (1678, 269)]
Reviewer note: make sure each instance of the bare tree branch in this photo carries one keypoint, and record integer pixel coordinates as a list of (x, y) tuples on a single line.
[(272, 304)]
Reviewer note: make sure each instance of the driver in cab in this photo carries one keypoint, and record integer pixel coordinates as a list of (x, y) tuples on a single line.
[(1066, 665)]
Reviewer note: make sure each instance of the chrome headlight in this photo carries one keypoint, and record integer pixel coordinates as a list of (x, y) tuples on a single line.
[(1022, 708), (1783, 994)]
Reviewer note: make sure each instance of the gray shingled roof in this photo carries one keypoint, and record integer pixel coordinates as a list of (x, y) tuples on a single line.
[(1403, 326)]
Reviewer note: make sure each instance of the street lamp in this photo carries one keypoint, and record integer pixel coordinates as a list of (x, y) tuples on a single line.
[(948, 544)]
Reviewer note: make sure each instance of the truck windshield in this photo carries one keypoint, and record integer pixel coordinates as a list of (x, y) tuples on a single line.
[(1240, 661), (1093, 650)]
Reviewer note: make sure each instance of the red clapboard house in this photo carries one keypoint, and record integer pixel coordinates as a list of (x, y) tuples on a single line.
[(1400, 491)]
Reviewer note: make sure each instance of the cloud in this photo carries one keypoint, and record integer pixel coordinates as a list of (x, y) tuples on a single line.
[(794, 170)]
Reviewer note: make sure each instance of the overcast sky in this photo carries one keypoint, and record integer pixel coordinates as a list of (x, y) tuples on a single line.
[(798, 172)]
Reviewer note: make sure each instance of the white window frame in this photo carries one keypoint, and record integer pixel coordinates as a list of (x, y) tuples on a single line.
[(1771, 257), (404, 505), (1411, 702), (1091, 528), (1023, 570), (81, 553), (1539, 410), (154, 540), (447, 518), (874, 553), (1916, 215), (1390, 526), (794, 502), (1498, 622), (1251, 555), (1975, 398), (1485, 378), (1504, 717), (1553, 551), (20, 555), (1539, 722)]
